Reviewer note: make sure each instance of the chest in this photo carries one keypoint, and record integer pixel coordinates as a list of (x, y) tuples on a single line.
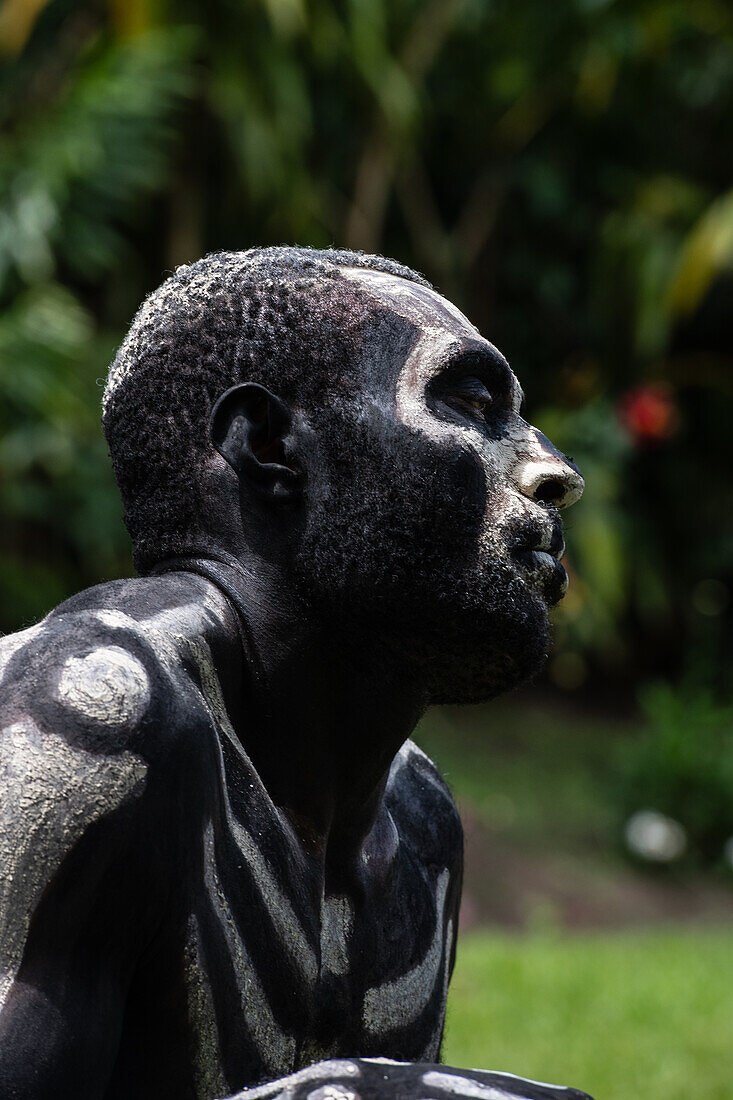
[(280, 973)]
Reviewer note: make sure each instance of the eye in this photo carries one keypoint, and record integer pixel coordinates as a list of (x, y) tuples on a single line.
[(469, 395)]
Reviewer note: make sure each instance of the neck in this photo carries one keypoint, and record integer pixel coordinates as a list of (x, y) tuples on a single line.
[(320, 713)]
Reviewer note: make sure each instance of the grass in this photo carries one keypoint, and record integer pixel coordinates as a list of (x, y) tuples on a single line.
[(623, 1015)]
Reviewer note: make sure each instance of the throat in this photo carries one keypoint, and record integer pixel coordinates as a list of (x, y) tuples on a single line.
[(321, 713)]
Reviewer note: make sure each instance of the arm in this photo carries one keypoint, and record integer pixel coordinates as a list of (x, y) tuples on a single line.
[(384, 1079), (437, 830), (69, 843)]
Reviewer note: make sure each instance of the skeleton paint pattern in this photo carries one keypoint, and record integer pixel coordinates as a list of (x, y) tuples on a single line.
[(250, 907), (460, 1086), (403, 999), (274, 1046), (50, 795), (107, 685), (374, 1078)]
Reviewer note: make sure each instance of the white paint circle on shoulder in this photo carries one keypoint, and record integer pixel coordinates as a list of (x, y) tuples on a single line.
[(108, 685)]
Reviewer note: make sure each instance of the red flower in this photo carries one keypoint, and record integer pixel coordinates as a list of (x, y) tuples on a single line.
[(649, 413)]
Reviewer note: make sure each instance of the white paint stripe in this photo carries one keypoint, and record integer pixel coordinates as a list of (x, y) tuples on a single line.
[(410, 300), (333, 1092), (432, 1048), (290, 931), (385, 1062), (286, 1086), (12, 643), (525, 1080), (408, 750), (398, 1003), (276, 1049), (337, 920), (208, 1074), (50, 793), (116, 619), (463, 1086), (178, 633)]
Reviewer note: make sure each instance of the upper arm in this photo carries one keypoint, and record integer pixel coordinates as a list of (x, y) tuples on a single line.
[(430, 827), (427, 809), (77, 889)]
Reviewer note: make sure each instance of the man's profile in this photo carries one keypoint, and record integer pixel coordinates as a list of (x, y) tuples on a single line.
[(224, 862)]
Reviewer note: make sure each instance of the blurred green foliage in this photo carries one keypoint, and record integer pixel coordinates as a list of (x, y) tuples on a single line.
[(561, 170), (682, 766)]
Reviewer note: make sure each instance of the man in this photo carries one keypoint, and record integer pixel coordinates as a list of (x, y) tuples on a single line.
[(224, 861)]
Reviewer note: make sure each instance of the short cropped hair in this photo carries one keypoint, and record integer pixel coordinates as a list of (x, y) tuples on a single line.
[(278, 316)]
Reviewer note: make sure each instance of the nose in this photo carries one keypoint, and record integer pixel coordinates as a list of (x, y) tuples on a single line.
[(547, 475)]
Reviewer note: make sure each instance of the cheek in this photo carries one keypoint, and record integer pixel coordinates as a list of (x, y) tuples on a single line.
[(503, 505), (471, 481), (477, 471), (443, 486)]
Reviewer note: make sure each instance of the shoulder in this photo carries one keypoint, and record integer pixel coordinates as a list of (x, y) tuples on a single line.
[(73, 700), (423, 807), (414, 770), (100, 710), (78, 676), (106, 669)]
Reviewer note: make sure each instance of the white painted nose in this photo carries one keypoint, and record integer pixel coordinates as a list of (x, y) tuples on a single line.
[(546, 475)]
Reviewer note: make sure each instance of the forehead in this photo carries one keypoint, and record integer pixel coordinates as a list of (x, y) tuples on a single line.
[(429, 311), (444, 333)]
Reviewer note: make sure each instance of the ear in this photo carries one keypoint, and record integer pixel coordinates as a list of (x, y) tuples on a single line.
[(249, 426)]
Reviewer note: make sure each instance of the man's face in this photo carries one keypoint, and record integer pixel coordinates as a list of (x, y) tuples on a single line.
[(446, 521)]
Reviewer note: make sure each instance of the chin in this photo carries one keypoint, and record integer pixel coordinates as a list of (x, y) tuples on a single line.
[(490, 646), (486, 674)]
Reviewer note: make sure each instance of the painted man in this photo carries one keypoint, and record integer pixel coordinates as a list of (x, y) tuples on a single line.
[(224, 863)]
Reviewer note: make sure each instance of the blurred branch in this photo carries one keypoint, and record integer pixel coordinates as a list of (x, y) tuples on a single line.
[(447, 253), (376, 167), (365, 218), (525, 118), (48, 81), (429, 237), (17, 19), (430, 32), (70, 174), (477, 219)]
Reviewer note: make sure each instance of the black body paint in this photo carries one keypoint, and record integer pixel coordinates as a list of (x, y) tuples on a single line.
[(224, 862)]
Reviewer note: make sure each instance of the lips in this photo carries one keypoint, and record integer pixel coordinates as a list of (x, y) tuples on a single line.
[(537, 551)]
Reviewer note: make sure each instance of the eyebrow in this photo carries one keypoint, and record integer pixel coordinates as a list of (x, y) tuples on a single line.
[(487, 361)]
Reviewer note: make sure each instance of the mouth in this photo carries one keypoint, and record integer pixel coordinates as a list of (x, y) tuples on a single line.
[(538, 555)]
